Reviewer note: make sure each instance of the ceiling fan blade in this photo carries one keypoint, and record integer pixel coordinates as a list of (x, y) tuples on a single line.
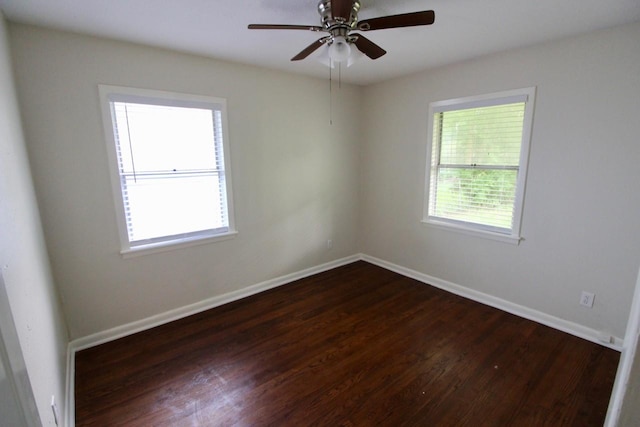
[(341, 9), (284, 27), (413, 19), (310, 49), (368, 47)]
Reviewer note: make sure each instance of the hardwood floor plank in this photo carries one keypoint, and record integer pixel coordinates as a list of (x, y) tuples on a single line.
[(355, 346)]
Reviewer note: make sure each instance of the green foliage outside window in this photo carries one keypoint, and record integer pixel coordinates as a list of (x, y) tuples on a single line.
[(476, 155)]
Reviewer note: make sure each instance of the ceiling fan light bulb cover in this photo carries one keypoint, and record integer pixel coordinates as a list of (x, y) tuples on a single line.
[(339, 50)]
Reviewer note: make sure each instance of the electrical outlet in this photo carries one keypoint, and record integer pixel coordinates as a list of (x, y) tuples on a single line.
[(54, 408), (329, 244), (587, 298)]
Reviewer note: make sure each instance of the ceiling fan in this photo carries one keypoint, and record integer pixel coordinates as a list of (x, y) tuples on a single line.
[(339, 18)]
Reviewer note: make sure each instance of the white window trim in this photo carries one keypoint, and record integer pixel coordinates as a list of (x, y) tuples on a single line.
[(107, 93), (169, 245), (510, 96)]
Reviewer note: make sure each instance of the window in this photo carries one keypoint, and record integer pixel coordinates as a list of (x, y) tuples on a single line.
[(169, 167), (477, 160)]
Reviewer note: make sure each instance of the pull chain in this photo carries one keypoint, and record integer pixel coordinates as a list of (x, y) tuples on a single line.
[(331, 87), (330, 95)]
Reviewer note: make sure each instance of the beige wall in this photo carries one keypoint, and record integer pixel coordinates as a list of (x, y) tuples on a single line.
[(30, 291), (580, 222), (299, 181), (295, 176)]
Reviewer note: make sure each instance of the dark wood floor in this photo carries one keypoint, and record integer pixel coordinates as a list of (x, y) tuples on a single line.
[(355, 346)]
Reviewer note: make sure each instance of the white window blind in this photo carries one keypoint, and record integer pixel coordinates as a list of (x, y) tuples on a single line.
[(477, 148), (170, 161)]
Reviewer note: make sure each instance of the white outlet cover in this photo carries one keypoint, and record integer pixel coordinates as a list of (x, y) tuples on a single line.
[(587, 298)]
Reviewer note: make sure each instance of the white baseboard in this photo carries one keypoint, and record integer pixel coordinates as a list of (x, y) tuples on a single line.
[(179, 313), (504, 305)]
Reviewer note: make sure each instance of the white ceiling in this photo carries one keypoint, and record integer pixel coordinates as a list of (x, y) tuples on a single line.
[(218, 28)]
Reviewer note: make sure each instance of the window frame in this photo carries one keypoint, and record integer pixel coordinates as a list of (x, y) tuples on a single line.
[(109, 94), (512, 235)]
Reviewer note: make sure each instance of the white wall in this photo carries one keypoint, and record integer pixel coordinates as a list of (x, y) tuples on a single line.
[(299, 181), (25, 268), (580, 220), (295, 176), (626, 390)]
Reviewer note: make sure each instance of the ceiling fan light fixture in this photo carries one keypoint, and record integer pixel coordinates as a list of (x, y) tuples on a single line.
[(339, 49), (323, 57), (355, 56)]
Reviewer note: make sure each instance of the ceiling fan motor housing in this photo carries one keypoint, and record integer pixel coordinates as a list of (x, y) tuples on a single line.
[(331, 23), (339, 18)]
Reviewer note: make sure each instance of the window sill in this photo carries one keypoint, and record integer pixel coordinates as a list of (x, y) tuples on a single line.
[(171, 245), (505, 238)]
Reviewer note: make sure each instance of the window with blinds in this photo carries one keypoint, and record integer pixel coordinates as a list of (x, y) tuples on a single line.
[(478, 156), (168, 164)]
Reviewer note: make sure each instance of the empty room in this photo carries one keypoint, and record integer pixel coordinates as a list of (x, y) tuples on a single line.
[(303, 212)]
